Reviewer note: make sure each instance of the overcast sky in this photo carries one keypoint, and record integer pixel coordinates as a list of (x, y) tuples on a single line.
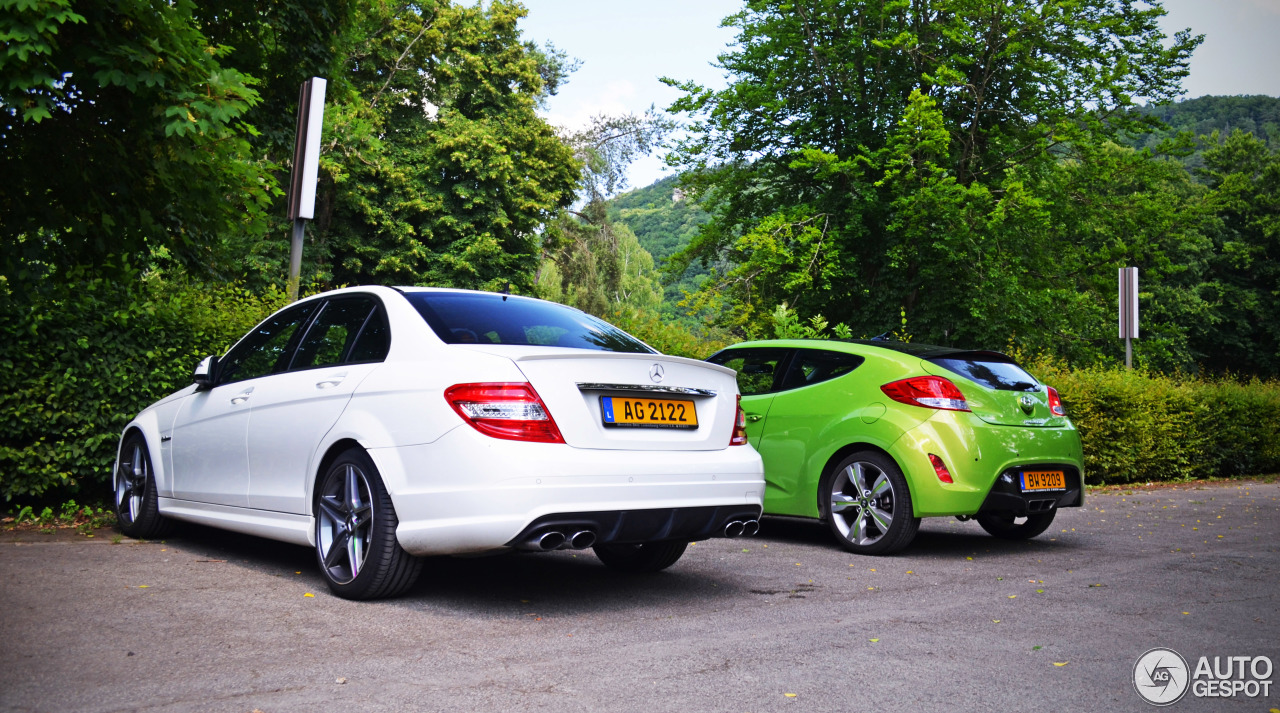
[(626, 45)]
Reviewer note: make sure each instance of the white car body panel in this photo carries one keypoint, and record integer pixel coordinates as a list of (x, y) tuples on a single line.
[(208, 451), (292, 412), (455, 490)]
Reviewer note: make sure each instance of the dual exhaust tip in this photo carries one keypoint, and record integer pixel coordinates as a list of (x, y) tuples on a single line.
[(741, 528), (557, 540), (582, 539)]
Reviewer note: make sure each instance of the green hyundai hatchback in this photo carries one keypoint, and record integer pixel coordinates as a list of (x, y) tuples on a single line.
[(870, 436)]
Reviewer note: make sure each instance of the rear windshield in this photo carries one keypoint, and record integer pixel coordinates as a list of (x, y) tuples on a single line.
[(487, 318), (994, 371)]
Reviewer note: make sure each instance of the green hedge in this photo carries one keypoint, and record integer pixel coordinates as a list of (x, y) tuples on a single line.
[(1139, 427), (82, 353)]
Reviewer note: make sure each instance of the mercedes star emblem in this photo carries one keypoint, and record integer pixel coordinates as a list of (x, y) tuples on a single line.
[(655, 373)]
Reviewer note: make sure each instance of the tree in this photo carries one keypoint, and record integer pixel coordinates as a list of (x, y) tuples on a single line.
[(589, 262), (1244, 273), (122, 133), (438, 170), (856, 162)]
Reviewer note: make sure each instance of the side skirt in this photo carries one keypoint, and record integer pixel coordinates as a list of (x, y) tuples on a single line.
[(285, 527)]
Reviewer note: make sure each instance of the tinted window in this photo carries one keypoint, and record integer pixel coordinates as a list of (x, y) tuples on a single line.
[(812, 366), (265, 350), (758, 369), (484, 318), (991, 370), (332, 332), (374, 340)]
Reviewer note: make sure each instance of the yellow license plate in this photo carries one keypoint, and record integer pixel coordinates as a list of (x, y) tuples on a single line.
[(1043, 480), (648, 413)]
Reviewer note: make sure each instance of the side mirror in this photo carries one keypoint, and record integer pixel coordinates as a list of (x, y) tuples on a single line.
[(203, 376)]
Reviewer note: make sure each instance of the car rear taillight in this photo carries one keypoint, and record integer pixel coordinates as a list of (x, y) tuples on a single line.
[(1055, 403), (739, 437), (928, 391), (941, 469), (512, 411)]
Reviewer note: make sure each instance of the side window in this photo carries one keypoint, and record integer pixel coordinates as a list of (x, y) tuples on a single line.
[(373, 341), (757, 368), (812, 366), (265, 350), (332, 333)]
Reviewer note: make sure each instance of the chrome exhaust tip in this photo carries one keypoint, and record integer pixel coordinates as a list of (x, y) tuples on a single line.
[(546, 541), (582, 539), (750, 527), (733, 529)]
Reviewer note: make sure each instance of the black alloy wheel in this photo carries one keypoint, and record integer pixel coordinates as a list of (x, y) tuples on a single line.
[(356, 542)]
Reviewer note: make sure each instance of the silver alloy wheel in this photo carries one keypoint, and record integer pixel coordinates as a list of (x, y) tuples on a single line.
[(344, 523), (131, 485), (862, 503)]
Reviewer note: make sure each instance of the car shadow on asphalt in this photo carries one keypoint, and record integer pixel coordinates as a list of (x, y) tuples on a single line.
[(562, 582), (931, 541)]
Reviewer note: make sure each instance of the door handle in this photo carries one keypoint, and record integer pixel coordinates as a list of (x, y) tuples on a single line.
[(330, 381), (239, 398), (753, 417)]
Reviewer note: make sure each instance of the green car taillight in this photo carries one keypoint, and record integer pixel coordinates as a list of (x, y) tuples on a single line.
[(928, 391)]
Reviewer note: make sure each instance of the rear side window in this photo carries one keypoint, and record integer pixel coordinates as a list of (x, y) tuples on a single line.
[(486, 318), (758, 369), (374, 341), (994, 371), (333, 332), (813, 366)]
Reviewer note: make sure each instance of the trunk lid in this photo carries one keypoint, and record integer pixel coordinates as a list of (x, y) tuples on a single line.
[(580, 386)]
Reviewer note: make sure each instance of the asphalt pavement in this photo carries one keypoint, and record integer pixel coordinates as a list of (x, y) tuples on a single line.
[(785, 621)]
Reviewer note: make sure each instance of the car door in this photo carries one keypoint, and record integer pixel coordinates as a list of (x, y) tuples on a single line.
[(209, 453), (805, 408), (294, 410), (759, 372)]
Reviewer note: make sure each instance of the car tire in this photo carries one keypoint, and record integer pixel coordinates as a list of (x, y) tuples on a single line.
[(867, 504), (1006, 525), (137, 504), (646, 557), (355, 523)]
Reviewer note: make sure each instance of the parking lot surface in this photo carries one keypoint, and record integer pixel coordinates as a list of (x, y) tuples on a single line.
[(212, 621)]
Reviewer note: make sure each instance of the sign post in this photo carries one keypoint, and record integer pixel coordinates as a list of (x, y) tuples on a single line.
[(306, 167), (1128, 311)]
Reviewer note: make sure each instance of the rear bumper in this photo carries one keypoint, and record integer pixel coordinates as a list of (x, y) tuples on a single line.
[(1006, 494), (468, 492), (978, 454), (637, 526)]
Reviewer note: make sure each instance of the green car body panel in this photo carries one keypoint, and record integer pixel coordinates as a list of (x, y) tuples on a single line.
[(802, 432)]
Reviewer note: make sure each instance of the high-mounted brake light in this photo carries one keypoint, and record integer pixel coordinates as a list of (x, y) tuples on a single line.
[(1055, 403), (512, 411), (940, 469), (928, 391), (739, 437)]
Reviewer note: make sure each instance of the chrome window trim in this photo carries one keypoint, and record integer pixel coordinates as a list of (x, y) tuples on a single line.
[(645, 388)]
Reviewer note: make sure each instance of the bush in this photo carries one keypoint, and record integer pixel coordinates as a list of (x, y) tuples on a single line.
[(83, 353), (1138, 426)]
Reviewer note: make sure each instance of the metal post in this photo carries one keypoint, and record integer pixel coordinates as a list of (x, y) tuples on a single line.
[(295, 258), (1128, 353)]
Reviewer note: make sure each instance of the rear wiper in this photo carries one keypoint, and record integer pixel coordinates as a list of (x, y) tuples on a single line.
[(1022, 386)]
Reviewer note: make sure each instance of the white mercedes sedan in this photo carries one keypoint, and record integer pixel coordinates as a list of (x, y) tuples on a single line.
[(378, 425)]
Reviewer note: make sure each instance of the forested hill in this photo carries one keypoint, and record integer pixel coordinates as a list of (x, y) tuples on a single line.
[(1257, 114), (661, 218), (664, 221)]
